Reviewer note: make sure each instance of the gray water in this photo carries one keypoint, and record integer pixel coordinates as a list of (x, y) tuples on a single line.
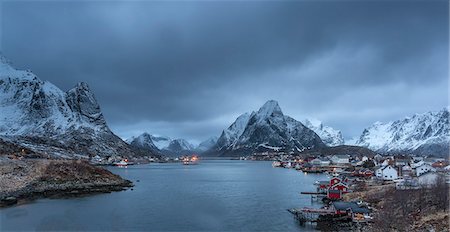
[(214, 195)]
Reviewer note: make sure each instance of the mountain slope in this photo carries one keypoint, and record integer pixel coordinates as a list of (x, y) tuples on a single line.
[(40, 116), (162, 144), (268, 129), (207, 144), (423, 134), (143, 144), (329, 135)]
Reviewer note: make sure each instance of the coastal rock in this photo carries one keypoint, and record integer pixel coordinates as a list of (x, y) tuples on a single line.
[(23, 179)]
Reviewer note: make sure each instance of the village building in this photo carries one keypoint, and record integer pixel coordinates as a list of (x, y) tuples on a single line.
[(340, 159), (439, 164), (352, 209), (406, 170), (334, 194), (417, 158), (323, 162), (424, 168), (401, 162), (430, 160), (447, 168), (417, 164), (364, 158), (427, 179), (340, 186), (385, 163), (378, 158), (387, 173)]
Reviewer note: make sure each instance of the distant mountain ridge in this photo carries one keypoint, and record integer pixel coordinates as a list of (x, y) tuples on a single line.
[(162, 144), (38, 115), (268, 129), (329, 135), (421, 134)]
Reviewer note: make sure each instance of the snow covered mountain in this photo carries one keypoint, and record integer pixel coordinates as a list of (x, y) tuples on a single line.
[(143, 144), (268, 129), (207, 144), (423, 134), (162, 144), (40, 116), (329, 135)]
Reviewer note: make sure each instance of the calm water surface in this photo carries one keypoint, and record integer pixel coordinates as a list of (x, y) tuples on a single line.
[(214, 195)]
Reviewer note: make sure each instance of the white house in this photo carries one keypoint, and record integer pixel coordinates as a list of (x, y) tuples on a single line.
[(428, 179), (378, 157), (385, 163), (364, 159), (424, 168), (447, 168), (340, 159), (320, 162), (417, 164), (324, 162), (401, 162), (430, 160), (406, 170), (387, 173)]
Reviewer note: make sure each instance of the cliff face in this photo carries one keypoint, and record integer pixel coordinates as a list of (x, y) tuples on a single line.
[(38, 115), (268, 129), (421, 134)]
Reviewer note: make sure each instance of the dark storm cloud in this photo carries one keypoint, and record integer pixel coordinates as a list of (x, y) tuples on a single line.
[(187, 69)]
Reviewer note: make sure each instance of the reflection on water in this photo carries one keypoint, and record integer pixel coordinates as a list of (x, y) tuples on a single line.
[(214, 195)]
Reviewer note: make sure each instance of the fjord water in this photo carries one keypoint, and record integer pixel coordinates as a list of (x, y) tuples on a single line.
[(221, 195)]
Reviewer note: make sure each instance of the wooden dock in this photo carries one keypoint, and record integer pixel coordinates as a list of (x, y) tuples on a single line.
[(313, 193), (303, 215)]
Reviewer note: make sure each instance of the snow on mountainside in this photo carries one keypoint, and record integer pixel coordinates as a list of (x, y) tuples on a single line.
[(329, 135), (143, 143), (207, 144), (40, 116), (425, 134), (180, 146), (266, 130), (162, 144)]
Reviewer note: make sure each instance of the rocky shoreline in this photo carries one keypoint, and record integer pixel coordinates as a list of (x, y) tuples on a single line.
[(29, 179)]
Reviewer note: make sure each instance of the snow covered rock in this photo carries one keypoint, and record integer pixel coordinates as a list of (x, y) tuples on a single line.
[(268, 129), (423, 134), (162, 144), (329, 135), (143, 144), (207, 144), (40, 116)]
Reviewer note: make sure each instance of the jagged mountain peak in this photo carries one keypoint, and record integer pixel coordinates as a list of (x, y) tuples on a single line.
[(268, 128), (426, 133), (143, 142), (329, 135), (44, 116), (269, 108), (82, 100)]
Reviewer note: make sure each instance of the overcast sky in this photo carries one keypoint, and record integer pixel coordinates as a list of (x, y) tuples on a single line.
[(189, 68)]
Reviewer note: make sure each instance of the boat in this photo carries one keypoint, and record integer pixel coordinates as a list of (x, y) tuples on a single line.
[(122, 163), (193, 160)]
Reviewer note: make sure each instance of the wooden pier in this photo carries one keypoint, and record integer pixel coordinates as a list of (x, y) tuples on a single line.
[(313, 193), (303, 215)]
